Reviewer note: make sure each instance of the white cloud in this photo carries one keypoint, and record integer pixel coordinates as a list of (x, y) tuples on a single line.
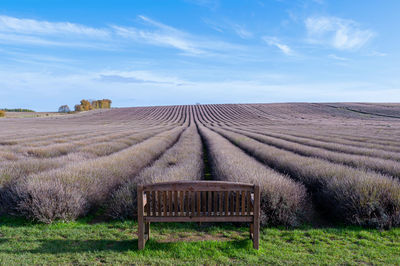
[(242, 32), (37, 27), (167, 36), (376, 53), (160, 25), (15, 39), (226, 25), (211, 4), (21, 31), (138, 77), (163, 38), (339, 58), (273, 41), (339, 33)]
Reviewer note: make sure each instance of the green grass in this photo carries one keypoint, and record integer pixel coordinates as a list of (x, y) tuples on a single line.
[(22, 242)]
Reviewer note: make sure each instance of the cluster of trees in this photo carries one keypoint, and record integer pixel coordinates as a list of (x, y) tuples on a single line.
[(2, 113), (86, 105), (101, 104), (97, 104)]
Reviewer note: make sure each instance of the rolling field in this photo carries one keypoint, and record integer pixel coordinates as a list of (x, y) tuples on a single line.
[(317, 164), (336, 161)]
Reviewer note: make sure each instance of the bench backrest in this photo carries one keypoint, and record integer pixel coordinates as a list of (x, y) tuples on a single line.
[(198, 199)]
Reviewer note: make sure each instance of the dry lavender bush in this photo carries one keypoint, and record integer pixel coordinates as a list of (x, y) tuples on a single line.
[(282, 200), (183, 161), (346, 155)]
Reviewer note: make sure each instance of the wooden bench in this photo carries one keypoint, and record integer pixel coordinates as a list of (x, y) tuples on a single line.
[(198, 201)]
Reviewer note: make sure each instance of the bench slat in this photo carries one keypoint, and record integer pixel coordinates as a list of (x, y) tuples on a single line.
[(153, 199), (209, 203), (237, 203), (232, 201), (187, 198), (170, 203), (198, 203), (159, 203), (193, 205), (204, 201), (164, 203), (226, 203), (220, 203), (180, 203), (248, 203), (243, 202), (148, 197), (175, 203), (215, 208)]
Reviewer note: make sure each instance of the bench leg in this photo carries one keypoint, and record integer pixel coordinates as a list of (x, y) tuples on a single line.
[(251, 231), (141, 238), (146, 232), (256, 234), (256, 220)]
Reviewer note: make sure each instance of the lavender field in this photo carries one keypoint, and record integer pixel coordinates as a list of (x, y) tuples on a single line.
[(332, 162)]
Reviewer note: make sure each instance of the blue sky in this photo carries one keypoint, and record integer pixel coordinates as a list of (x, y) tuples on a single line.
[(164, 52)]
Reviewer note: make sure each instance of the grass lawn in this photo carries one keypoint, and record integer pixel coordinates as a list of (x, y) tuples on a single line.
[(80, 242)]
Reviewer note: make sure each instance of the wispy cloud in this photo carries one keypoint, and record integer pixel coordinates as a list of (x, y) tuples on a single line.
[(319, 1), (18, 39), (339, 58), (164, 35), (225, 25), (339, 33), (376, 53), (211, 4), (38, 27), (241, 31), (273, 41), (142, 77), (22, 31)]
